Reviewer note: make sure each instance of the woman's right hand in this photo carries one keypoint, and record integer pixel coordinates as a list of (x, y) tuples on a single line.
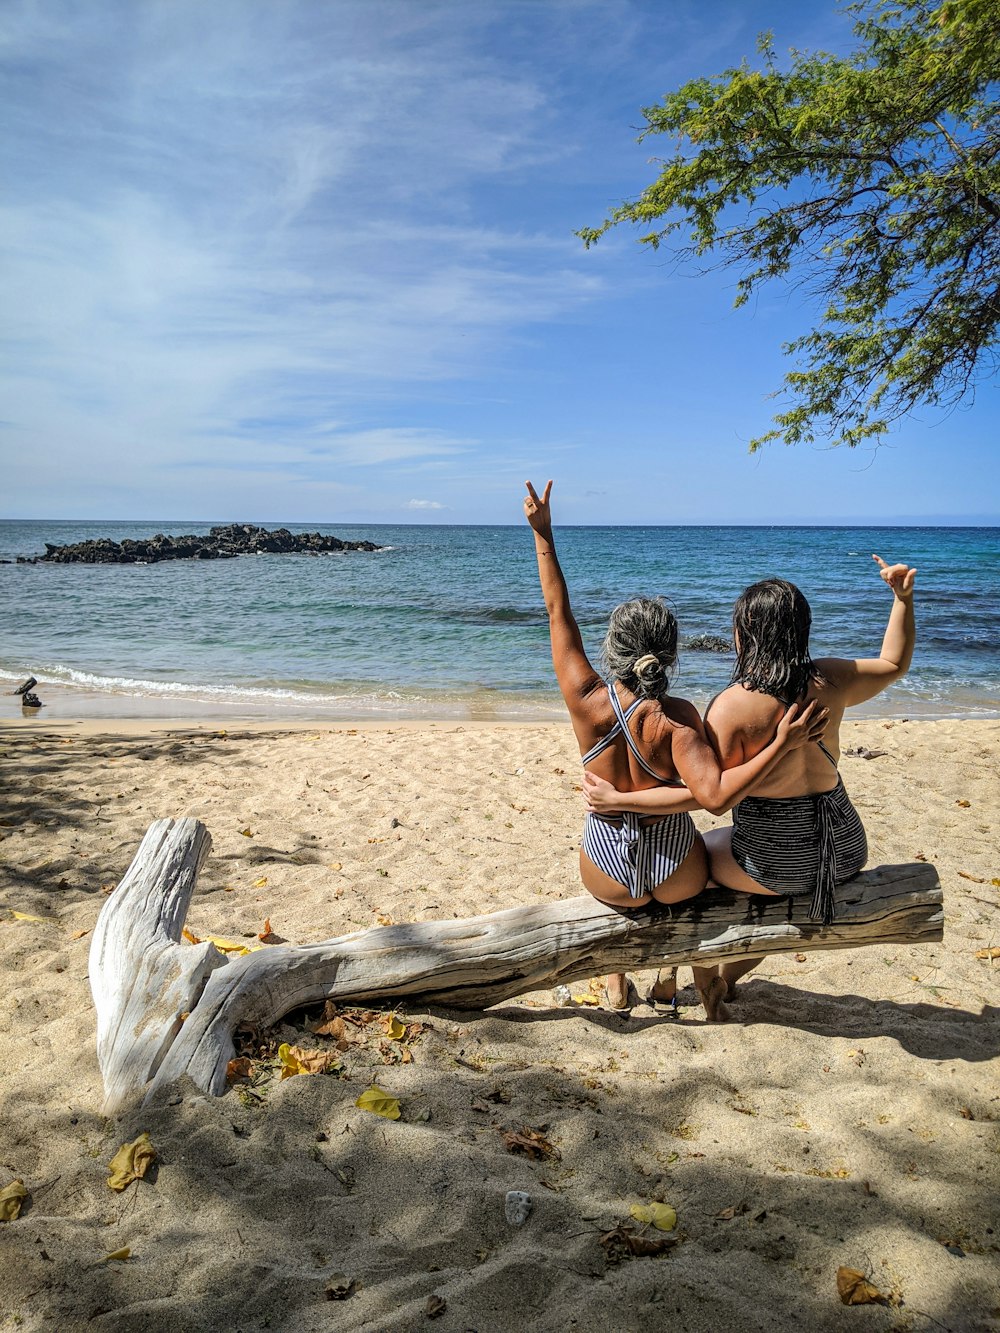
[(802, 727), (601, 797), (536, 509), (898, 577)]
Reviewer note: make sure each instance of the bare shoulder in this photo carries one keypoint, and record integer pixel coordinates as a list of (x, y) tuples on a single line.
[(738, 708), (680, 713), (835, 672)]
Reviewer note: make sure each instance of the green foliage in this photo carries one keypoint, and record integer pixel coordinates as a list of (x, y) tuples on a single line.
[(873, 179)]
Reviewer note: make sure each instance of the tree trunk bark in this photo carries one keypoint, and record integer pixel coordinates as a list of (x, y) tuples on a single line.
[(165, 1008)]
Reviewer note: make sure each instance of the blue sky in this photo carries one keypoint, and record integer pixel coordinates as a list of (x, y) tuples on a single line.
[(315, 261)]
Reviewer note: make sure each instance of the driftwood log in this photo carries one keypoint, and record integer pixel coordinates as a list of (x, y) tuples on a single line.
[(166, 1008)]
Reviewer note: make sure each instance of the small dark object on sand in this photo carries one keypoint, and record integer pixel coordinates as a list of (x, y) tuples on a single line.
[(863, 752), (29, 684), (31, 701)]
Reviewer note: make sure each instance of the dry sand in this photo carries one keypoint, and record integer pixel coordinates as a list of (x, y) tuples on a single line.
[(849, 1118)]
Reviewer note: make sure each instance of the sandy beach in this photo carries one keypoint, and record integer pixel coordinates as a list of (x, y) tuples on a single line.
[(848, 1117)]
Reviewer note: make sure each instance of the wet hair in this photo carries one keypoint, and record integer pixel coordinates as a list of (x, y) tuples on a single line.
[(640, 647), (771, 623)]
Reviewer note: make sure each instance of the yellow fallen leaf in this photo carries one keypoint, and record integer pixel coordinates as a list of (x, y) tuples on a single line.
[(131, 1162), (383, 918), (26, 916), (662, 1216), (988, 953), (190, 936), (246, 832), (79, 934), (228, 946), (585, 999), (394, 1029), (379, 1103), (964, 804), (295, 1060), (123, 1253), (260, 883), (11, 1198), (336, 865)]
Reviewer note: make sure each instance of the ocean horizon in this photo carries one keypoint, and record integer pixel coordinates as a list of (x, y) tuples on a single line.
[(447, 621)]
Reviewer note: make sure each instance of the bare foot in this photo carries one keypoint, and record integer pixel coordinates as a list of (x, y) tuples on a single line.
[(664, 988), (616, 990), (712, 997)]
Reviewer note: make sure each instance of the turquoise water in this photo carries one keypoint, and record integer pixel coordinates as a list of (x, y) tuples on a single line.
[(448, 621)]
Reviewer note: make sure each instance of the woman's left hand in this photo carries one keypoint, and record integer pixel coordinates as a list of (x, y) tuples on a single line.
[(601, 797)]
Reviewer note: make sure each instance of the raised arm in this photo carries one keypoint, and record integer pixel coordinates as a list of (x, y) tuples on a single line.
[(574, 672), (863, 678), (709, 787)]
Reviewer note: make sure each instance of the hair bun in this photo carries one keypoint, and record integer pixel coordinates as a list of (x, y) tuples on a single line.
[(648, 667)]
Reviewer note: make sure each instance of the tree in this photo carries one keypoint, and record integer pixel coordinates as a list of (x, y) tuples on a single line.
[(874, 180)]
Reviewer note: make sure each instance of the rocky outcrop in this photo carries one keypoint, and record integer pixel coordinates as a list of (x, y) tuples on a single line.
[(709, 643), (222, 543)]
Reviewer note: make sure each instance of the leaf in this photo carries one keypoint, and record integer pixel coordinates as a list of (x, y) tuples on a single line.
[(531, 1142), (662, 1216), (976, 879), (379, 1102), (11, 1198), (623, 1242), (964, 804), (79, 934), (239, 1070), (436, 1305), (394, 1029), (855, 1289), (26, 916), (988, 953), (585, 999), (260, 883), (800, 958), (735, 1210), (267, 935), (123, 1253), (246, 832), (295, 1060), (131, 1162)]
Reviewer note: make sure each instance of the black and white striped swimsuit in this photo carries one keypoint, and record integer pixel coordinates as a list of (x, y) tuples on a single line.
[(795, 845), (636, 855)]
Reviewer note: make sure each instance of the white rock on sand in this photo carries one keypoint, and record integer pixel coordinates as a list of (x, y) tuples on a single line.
[(849, 1119)]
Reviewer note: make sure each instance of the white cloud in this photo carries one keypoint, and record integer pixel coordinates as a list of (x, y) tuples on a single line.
[(424, 504)]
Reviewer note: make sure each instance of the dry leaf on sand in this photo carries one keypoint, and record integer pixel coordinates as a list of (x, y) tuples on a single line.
[(131, 1162), (26, 916), (662, 1216), (11, 1198), (123, 1253), (377, 1101), (394, 1029), (624, 1243), (855, 1289), (988, 953), (239, 1069), (532, 1142), (295, 1060)]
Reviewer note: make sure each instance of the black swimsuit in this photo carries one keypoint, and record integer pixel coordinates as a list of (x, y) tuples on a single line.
[(801, 844)]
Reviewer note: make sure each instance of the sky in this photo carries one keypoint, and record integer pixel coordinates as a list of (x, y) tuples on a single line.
[(315, 262)]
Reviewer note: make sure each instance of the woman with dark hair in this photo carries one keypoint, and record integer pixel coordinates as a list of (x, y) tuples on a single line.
[(633, 732), (797, 833)]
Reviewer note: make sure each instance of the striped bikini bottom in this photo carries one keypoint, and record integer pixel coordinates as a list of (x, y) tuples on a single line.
[(801, 844), (636, 855)]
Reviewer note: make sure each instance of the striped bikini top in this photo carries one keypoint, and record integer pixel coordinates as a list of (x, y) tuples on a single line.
[(621, 728)]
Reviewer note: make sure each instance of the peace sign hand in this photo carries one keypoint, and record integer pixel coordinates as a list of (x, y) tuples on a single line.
[(898, 577), (536, 510)]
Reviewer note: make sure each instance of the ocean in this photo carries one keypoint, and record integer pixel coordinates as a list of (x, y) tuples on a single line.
[(447, 622)]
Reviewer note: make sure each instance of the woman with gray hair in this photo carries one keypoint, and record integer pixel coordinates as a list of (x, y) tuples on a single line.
[(633, 733)]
